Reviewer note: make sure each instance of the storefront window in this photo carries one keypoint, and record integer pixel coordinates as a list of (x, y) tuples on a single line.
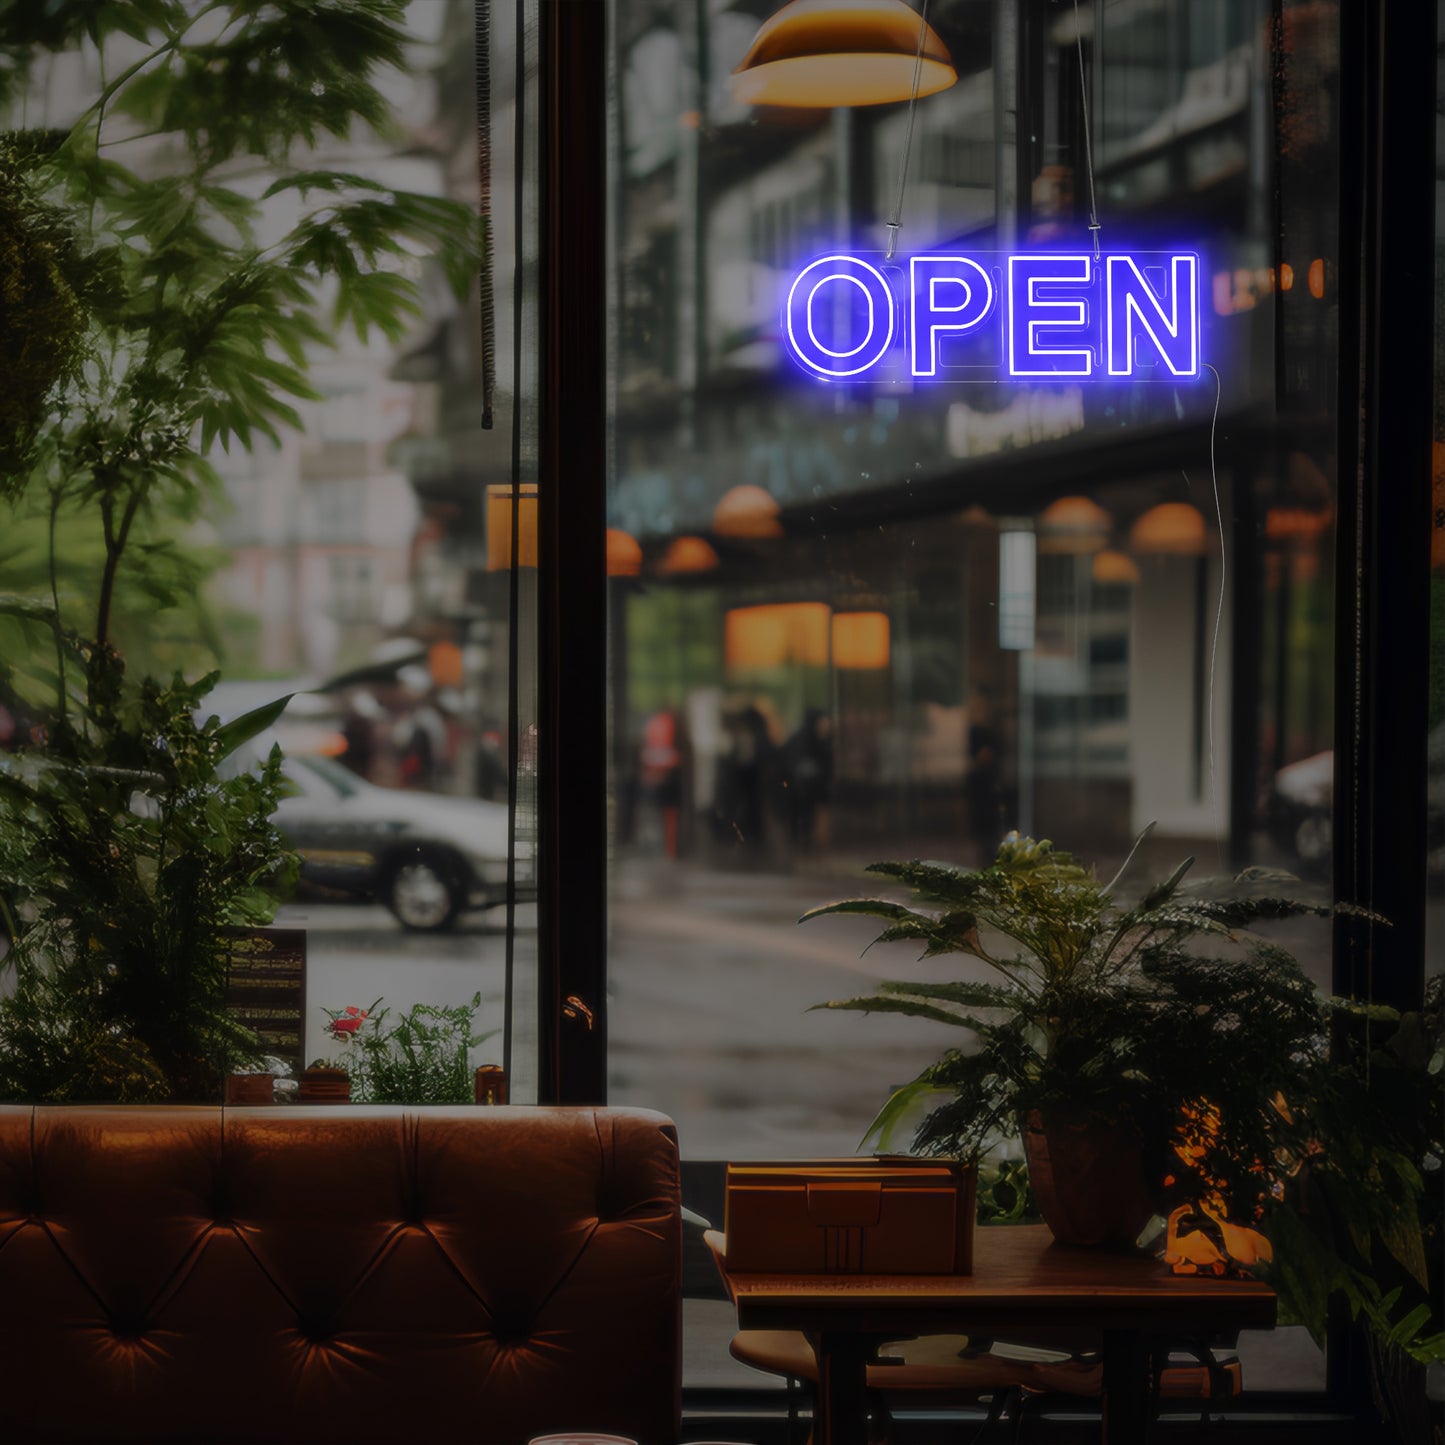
[(892, 617)]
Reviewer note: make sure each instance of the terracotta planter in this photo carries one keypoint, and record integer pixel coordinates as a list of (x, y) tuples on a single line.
[(250, 1089), (1088, 1178), (324, 1086)]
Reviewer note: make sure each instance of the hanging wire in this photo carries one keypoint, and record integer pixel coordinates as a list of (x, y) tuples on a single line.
[(1094, 227), (897, 221)]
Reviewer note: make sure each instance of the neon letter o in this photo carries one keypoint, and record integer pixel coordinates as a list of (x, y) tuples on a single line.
[(820, 278)]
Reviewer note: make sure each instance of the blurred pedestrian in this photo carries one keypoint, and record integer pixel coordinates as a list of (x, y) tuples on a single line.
[(660, 773), (982, 784), (808, 771)]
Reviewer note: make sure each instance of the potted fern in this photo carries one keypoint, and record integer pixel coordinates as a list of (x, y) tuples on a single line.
[(1136, 1050)]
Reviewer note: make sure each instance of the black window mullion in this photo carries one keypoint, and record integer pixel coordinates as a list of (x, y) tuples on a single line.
[(572, 741), (1386, 274)]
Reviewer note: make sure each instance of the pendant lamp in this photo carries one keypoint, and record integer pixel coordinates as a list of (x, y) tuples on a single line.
[(1170, 529), (824, 53)]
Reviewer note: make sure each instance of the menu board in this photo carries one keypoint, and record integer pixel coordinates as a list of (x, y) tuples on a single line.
[(266, 989)]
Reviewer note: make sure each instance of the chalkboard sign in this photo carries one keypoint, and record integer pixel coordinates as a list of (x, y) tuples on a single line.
[(266, 989)]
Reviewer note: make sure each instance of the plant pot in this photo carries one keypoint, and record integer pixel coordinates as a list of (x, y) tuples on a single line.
[(1088, 1178), (250, 1088), (325, 1086)]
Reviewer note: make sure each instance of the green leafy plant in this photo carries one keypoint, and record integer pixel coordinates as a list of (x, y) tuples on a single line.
[(1362, 1216), (129, 856), (1166, 1017), (423, 1057), (1004, 1195), (1095, 1004), (149, 319)]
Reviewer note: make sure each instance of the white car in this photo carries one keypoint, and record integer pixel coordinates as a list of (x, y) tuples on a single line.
[(426, 856)]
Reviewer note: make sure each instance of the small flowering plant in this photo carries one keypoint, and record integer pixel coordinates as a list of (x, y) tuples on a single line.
[(421, 1057), (346, 1023), (348, 1027)]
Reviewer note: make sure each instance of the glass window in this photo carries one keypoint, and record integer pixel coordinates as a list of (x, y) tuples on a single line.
[(365, 550), (896, 618)]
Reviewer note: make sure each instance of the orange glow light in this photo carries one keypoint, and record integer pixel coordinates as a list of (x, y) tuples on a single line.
[(499, 526), (624, 556), (747, 511), (1073, 525), (1286, 275), (1294, 524), (860, 640), (444, 662), (1170, 529), (1317, 278), (1114, 567), (687, 554), (776, 635)]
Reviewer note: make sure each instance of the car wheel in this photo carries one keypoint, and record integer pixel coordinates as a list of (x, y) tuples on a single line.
[(424, 893)]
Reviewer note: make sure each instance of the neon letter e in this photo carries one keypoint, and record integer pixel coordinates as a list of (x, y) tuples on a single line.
[(1029, 314)]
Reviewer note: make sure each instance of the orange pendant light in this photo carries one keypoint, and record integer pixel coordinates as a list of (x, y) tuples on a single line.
[(1074, 526), (687, 554), (747, 511), (1170, 529), (1114, 568), (624, 556), (824, 53)]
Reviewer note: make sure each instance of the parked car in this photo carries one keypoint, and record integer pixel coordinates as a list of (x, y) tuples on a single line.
[(427, 856), (1299, 812), (1300, 806)]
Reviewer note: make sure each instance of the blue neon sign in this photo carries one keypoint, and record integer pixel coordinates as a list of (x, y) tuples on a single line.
[(994, 316)]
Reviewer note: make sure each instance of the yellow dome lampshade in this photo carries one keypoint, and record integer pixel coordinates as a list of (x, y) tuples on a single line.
[(687, 554), (624, 556), (747, 511), (1112, 568), (1073, 526), (1172, 529), (824, 53)]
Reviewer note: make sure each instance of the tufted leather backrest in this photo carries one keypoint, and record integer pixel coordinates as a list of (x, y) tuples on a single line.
[(348, 1274)]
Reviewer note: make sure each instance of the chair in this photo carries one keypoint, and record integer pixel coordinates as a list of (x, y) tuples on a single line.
[(948, 1371)]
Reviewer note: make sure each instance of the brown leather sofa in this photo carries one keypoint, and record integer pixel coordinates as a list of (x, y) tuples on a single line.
[(372, 1276)]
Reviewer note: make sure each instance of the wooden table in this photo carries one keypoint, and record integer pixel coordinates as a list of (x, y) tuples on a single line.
[(1022, 1282)]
